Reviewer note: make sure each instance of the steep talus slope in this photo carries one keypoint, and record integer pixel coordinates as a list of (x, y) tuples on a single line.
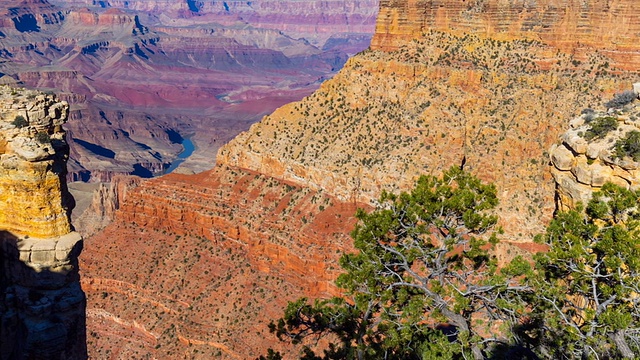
[(215, 258), (572, 26), (42, 305), (491, 106)]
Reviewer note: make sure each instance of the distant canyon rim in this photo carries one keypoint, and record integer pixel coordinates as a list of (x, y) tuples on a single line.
[(141, 75)]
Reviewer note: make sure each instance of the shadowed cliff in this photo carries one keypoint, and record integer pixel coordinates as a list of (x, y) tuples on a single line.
[(42, 315)]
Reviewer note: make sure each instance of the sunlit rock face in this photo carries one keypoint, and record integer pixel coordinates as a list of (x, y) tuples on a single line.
[(569, 25), (484, 85), (583, 161), (42, 309)]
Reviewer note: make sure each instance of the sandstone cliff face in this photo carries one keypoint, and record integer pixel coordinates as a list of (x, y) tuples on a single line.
[(34, 200), (42, 309), (582, 163), (571, 26), (494, 107)]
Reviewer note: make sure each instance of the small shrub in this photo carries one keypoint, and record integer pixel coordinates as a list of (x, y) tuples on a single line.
[(601, 127), (628, 146), (20, 122), (589, 117), (43, 138), (621, 99)]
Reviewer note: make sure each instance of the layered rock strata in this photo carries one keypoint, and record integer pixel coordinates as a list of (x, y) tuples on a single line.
[(210, 260), (313, 20), (493, 107), (106, 200), (139, 70), (583, 163), (577, 27), (42, 308)]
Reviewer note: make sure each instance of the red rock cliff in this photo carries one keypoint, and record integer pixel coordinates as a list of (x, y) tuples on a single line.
[(435, 92), (200, 264), (570, 25)]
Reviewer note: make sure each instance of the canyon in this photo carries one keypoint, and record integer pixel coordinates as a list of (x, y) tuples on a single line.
[(440, 86), (196, 266), (140, 76)]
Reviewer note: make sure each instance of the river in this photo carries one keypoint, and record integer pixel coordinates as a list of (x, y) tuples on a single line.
[(188, 149)]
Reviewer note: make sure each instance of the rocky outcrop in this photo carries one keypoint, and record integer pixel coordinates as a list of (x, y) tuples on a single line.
[(42, 308), (34, 200), (577, 27), (29, 15), (107, 198), (584, 160)]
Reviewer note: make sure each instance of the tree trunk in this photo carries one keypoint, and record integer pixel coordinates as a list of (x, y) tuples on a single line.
[(461, 324), (621, 344), (477, 353)]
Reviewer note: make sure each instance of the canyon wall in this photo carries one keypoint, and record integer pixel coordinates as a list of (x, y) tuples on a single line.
[(316, 21), (42, 309), (432, 97), (573, 26), (230, 246), (140, 76), (200, 264)]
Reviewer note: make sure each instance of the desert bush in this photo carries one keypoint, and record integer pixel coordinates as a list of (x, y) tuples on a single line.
[(43, 138), (19, 122), (628, 146), (621, 99), (601, 127)]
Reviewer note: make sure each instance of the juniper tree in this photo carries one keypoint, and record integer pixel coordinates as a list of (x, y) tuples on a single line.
[(422, 285), (588, 283)]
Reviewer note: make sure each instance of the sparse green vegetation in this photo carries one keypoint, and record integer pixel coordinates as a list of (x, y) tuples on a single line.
[(628, 146), (20, 122), (43, 138), (600, 127)]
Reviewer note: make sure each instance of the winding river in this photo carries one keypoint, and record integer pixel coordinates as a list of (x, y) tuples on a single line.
[(188, 149)]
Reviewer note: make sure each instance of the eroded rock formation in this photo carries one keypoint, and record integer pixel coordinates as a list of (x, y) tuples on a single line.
[(577, 27), (140, 70), (42, 305), (200, 264), (424, 102), (585, 160)]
